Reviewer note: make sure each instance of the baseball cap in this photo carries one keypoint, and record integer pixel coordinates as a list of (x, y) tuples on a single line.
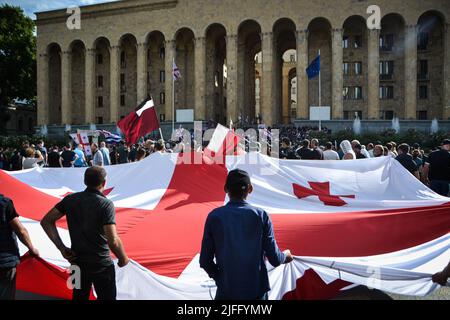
[(237, 177), (446, 141)]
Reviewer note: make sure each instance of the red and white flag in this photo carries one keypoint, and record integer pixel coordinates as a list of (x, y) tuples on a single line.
[(361, 222), (223, 142), (139, 122), (83, 139)]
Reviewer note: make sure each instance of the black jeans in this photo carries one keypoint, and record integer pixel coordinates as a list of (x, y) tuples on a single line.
[(103, 279), (8, 284), (440, 187)]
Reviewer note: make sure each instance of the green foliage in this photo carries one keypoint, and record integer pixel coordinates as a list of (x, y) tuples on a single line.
[(17, 58)]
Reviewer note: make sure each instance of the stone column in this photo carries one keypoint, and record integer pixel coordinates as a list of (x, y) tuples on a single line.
[(410, 71), (141, 65), (446, 74), (42, 90), (200, 84), (286, 97), (232, 78), (302, 77), (90, 85), (170, 55), (66, 87), (373, 74), (114, 92), (267, 103), (337, 82)]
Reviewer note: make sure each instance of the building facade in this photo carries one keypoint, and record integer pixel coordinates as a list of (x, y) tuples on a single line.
[(22, 118), (124, 52)]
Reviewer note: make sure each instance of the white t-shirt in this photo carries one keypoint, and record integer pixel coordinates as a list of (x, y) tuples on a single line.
[(330, 155)]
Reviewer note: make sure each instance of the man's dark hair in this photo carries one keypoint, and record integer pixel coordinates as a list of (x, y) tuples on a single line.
[(305, 143), (404, 148), (286, 141), (328, 145), (94, 176)]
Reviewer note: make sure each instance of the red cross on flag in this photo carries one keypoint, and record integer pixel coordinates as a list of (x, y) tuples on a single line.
[(392, 233), (82, 138), (322, 191)]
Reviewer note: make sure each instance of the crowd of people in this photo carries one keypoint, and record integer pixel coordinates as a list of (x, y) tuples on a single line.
[(74, 155), (433, 169)]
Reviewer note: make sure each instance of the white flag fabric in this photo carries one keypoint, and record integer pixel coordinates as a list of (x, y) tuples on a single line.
[(360, 222)]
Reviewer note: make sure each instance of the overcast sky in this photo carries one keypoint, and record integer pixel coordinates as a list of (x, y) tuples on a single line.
[(31, 6)]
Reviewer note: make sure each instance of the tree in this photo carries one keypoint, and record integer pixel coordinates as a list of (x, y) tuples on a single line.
[(17, 59)]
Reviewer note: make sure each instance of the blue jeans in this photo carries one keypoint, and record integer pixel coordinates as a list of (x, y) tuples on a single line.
[(440, 186)]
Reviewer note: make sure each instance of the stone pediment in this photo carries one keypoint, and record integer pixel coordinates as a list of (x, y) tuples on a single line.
[(106, 9)]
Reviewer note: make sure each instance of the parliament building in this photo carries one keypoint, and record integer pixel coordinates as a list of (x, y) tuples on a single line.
[(245, 60)]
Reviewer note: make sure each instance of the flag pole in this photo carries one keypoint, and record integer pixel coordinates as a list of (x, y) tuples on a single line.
[(173, 96), (320, 97), (160, 132)]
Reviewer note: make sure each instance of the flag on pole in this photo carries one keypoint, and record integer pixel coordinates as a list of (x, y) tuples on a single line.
[(82, 138), (313, 69), (139, 122), (110, 137), (176, 72), (223, 142)]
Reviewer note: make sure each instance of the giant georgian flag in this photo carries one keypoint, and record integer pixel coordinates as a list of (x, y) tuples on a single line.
[(367, 222)]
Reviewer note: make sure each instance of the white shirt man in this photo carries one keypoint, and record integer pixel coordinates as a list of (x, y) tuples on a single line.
[(329, 153), (97, 159)]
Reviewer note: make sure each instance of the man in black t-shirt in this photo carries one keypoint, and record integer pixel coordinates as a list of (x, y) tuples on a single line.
[(437, 169), (305, 153), (317, 153), (68, 157), (10, 229), (286, 151), (53, 158), (91, 222), (357, 148), (406, 160)]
